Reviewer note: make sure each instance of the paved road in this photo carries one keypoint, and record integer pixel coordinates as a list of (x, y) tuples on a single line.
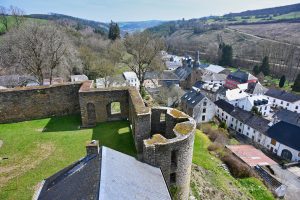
[(290, 180)]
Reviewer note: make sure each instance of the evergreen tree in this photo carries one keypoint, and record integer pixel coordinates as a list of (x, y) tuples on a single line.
[(296, 86), (265, 67), (226, 57), (256, 70), (282, 81), (114, 31)]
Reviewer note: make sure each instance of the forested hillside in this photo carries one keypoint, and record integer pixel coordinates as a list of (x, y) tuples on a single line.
[(274, 34)]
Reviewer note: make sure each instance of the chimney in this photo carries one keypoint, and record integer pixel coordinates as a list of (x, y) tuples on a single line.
[(92, 147)]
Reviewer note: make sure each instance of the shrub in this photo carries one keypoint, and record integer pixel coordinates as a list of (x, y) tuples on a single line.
[(223, 125), (214, 147), (237, 168), (206, 128), (213, 135)]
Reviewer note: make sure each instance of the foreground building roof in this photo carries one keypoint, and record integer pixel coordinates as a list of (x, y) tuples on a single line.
[(283, 95), (107, 175), (286, 133)]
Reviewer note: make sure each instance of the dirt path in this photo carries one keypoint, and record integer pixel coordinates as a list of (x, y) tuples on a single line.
[(261, 38)]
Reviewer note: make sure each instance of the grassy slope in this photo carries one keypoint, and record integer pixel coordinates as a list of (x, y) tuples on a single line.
[(35, 154), (251, 186)]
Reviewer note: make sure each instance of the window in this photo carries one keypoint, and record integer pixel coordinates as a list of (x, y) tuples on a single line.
[(231, 125), (258, 140), (173, 178), (240, 123), (174, 158), (266, 107), (204, 103), (115, 108), (226, 117), (281, 102), (248, 128), (296, 107), (264, 113), (222, 114), (204, 110), (273, 142), (203, 118), (287, 104), (162, 117), (240, 130)]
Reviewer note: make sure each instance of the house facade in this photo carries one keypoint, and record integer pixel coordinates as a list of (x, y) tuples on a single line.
[(283, 99), (195, 104), (280, 138)]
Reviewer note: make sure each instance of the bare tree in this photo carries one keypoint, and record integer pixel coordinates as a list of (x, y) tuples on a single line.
[(17, 14), (143, 54), (36, 48), (3, 17)]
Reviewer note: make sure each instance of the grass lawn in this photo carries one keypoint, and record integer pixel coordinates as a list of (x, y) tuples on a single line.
[(39, 148), (253, 187)]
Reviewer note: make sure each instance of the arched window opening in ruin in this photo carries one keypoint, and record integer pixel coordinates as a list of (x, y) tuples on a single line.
[(162, 117), (91, 112), (115, 108)]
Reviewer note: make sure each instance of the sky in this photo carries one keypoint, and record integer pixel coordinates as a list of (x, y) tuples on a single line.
[(139, 10)]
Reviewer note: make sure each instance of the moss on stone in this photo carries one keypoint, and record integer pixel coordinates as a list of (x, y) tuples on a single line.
[(156, 139), (184, 128), (178, 114)]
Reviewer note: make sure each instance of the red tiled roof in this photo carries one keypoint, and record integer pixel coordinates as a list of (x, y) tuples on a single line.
[(250, 155)]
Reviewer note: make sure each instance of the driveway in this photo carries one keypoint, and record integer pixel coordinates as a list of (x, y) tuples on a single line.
[(291, 180)]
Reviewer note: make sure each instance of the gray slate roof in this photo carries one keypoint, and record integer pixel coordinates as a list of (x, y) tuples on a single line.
[(288, 116), (241, 115), (183, 72), (107, 175), (256, 88), (224, 105), (258, 123), (124, 177), (283, 95), (286, 133), (192, 98)]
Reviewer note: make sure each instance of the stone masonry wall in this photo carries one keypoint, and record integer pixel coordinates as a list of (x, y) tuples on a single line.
[(38, 102)]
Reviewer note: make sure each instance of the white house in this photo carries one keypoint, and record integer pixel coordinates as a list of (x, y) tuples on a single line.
[(283, 99), (260, 101), (234, 96), (214, 78), (284, 140), (132, 79), (281, 138), (195, 104), (82, 77)]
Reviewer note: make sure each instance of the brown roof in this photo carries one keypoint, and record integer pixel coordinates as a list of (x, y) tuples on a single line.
[(250, 155)]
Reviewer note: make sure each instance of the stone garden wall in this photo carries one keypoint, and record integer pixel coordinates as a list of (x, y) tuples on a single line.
[(28, 103)]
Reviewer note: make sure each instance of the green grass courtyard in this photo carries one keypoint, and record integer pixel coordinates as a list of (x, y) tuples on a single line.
[(39, 148)]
